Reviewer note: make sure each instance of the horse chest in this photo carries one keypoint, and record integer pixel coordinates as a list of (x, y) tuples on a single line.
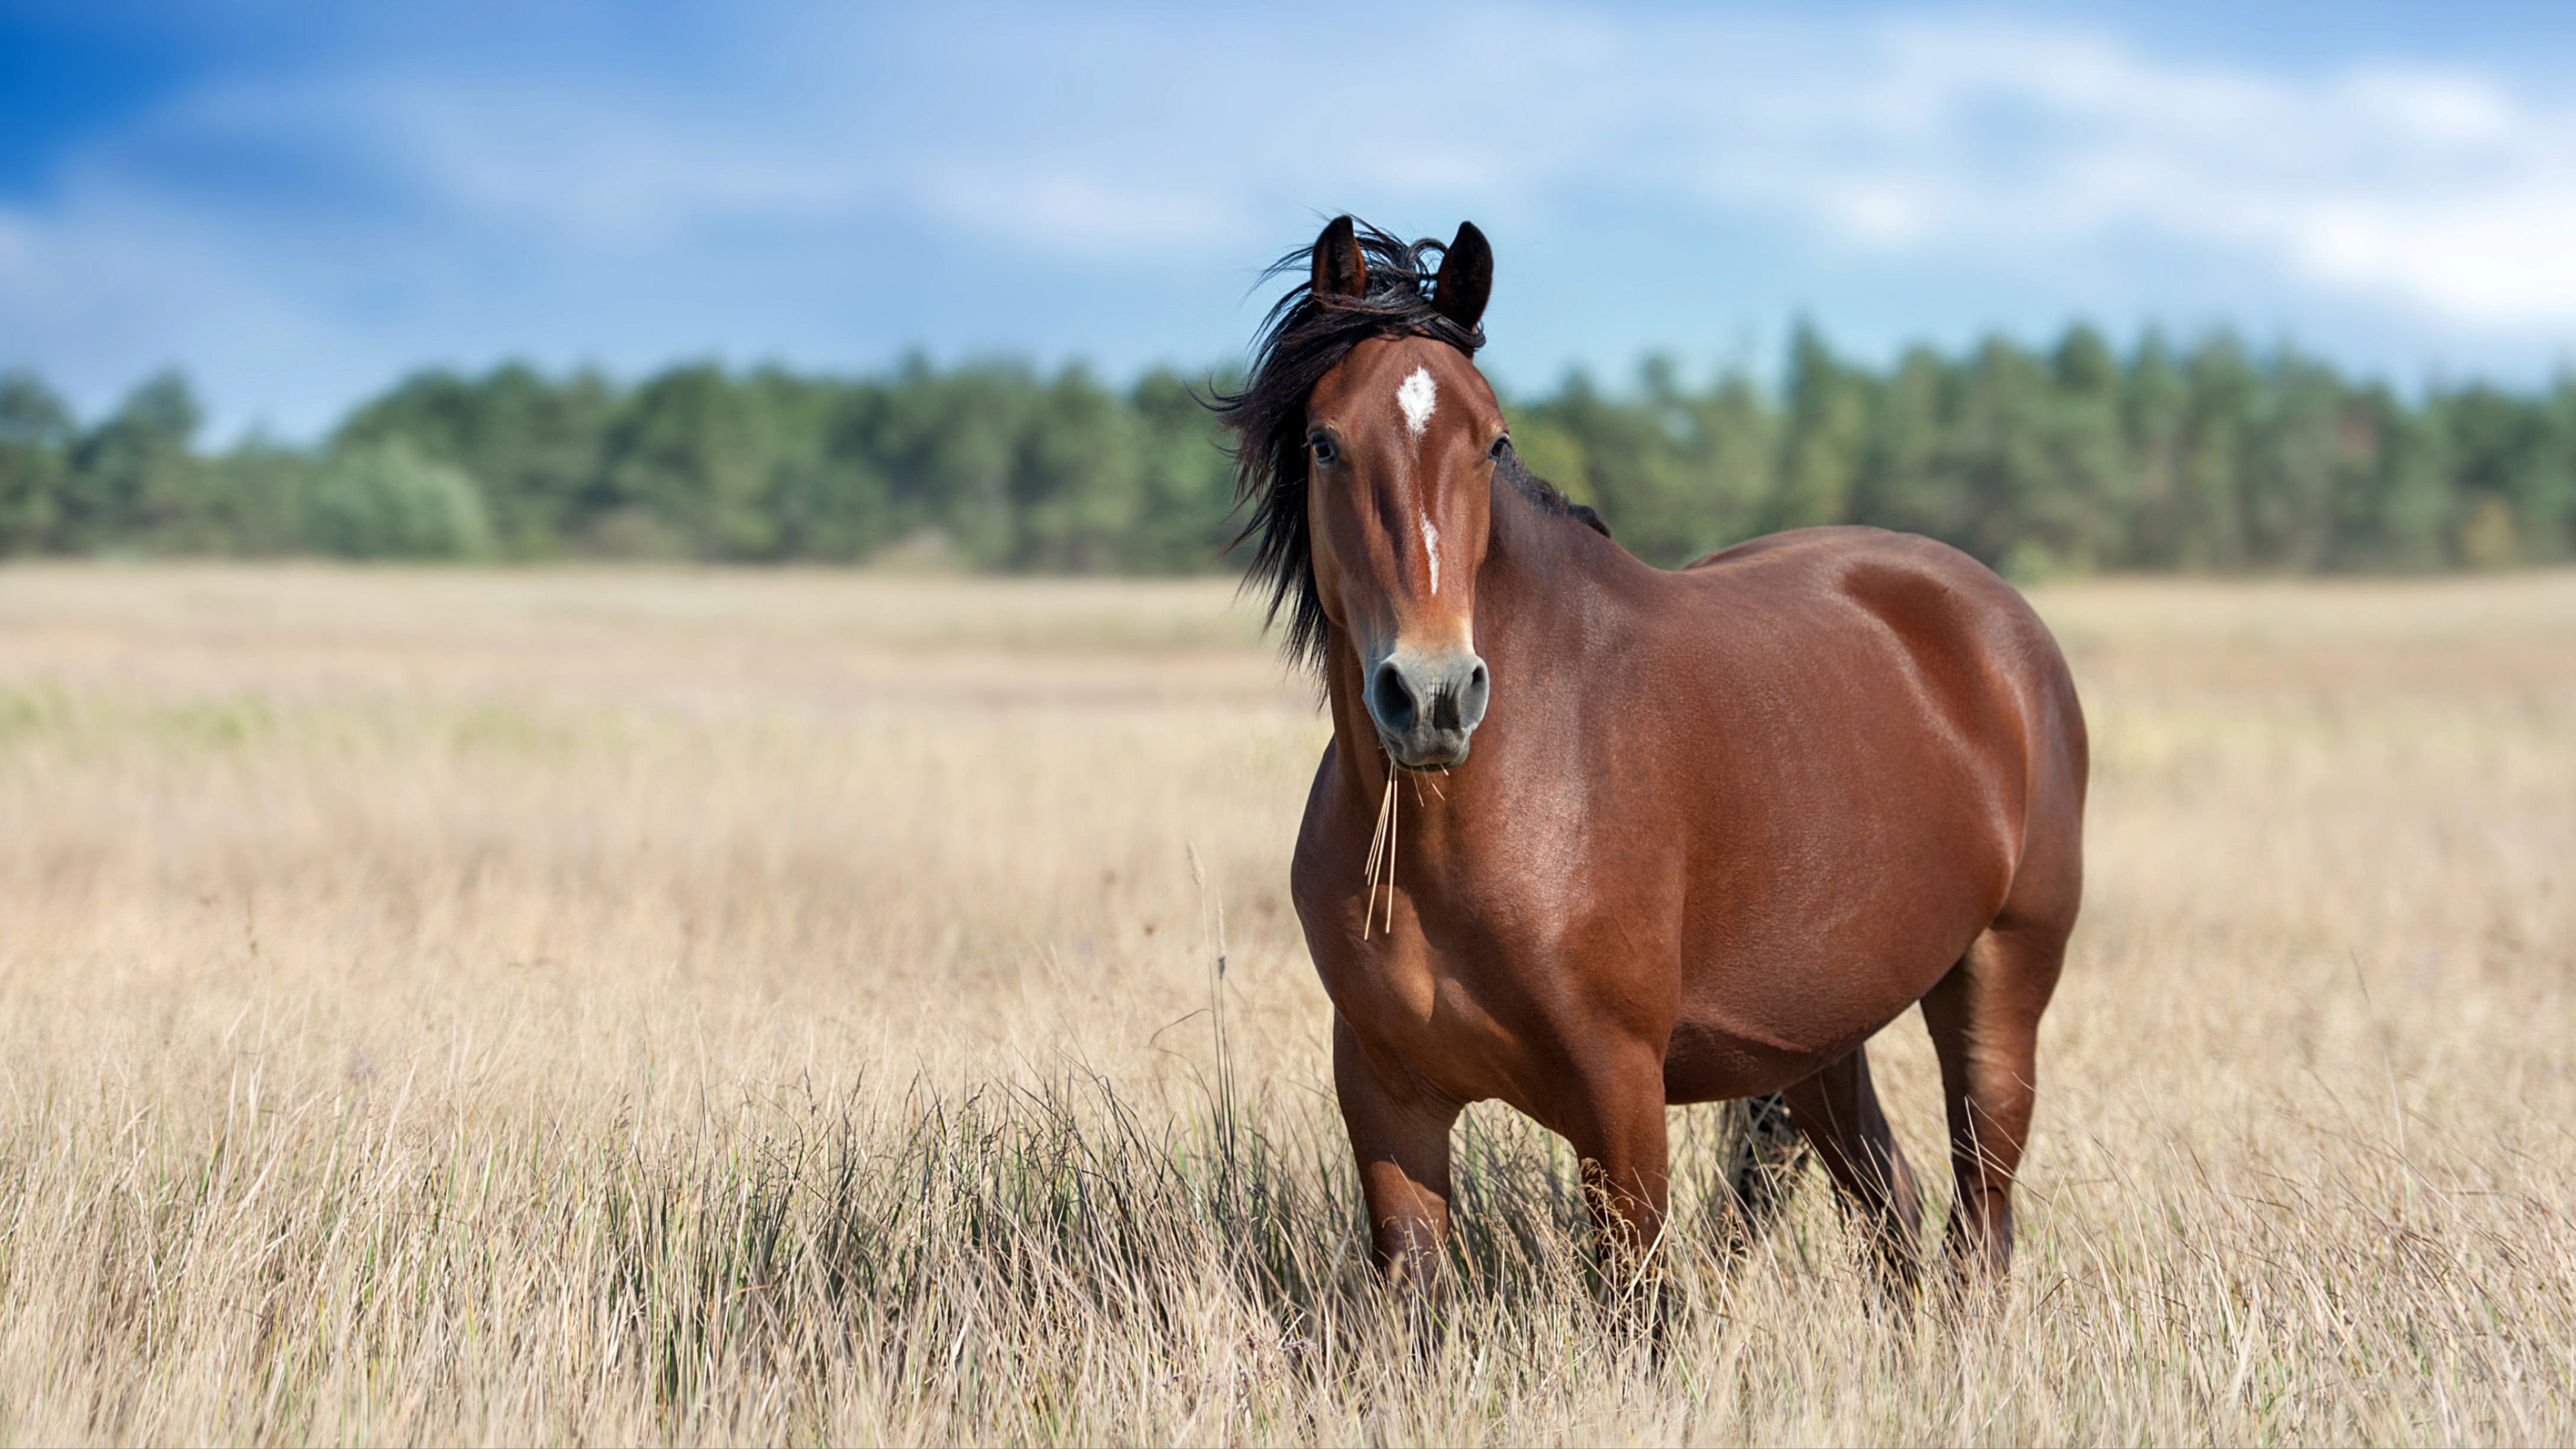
[(1469, 993), (1435, 1009), (1504, 927)]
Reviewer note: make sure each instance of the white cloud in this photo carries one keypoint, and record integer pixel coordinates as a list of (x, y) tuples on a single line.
[(1091, 217), (638, 213), (2438, 191), (2443, 191), (119, 287)]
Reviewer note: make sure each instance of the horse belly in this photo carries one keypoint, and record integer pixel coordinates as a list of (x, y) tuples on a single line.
[(1716, 1060), (1782, 994)]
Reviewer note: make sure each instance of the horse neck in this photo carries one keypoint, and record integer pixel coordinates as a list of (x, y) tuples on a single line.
[(1530, 592)]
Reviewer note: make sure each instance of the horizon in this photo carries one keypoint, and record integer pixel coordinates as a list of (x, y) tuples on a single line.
[(1625, 384), (298, 207)]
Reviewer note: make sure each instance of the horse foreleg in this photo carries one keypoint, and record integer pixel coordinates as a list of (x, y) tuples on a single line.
[(1617, 1131), (1837, 1111), (1400, 1135)]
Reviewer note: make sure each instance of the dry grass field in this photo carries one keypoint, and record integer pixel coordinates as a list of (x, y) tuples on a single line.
[(607, 1006)]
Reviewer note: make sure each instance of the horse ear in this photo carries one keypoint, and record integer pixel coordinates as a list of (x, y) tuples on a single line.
[(1466, 277), (1340, 270)]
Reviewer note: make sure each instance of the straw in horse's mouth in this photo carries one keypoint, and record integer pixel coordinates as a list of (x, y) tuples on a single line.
[(1381, 856), (1381, 853)]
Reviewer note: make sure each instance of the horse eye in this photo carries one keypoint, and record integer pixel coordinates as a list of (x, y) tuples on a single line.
[(1322, 448)]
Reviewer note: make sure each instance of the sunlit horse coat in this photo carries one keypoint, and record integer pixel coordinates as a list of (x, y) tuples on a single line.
[(1593, 837)]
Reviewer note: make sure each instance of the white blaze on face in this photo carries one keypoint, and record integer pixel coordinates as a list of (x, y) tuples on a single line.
[(1415, 397)]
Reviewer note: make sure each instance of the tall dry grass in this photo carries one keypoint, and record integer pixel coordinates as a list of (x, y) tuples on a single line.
[(709, 1006)]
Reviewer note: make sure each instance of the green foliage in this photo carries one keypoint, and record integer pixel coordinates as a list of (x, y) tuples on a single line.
[(35, 443), (385, 501), (2068, 459), (131, 479), (536, 446)]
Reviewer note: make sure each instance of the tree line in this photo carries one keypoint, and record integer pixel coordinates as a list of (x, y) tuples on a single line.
[(2213, 457)]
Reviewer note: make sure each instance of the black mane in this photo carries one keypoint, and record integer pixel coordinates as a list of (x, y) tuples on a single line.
[(1303, 338)]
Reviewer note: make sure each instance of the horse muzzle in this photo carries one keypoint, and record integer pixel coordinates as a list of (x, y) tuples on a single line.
[(1427, 705)]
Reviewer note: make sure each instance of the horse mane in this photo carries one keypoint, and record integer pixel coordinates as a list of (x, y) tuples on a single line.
[(1304, 337)]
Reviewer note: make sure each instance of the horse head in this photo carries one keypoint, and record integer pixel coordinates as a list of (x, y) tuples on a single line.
[(1402, 438)]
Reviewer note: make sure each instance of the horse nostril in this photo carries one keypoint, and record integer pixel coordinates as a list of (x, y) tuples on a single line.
[(1471, 707), (1390, 699)]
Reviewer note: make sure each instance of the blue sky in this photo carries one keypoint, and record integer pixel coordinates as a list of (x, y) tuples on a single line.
[(298, 203)]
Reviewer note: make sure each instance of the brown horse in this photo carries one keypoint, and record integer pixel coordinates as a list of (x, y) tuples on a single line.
[(1592, 837)]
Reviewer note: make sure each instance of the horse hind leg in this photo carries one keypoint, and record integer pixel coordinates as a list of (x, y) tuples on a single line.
[(1762, 1168), (1837, 1111), (1984, 1020)]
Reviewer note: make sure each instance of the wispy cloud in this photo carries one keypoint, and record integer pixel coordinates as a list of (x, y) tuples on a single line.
[(298, 234), (2442, 190)]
